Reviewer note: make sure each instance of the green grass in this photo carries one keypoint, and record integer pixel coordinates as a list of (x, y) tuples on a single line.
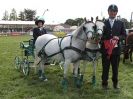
[(13, 85)]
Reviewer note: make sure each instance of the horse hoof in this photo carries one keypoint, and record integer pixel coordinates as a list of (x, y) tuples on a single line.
[(64, 84), (78, 82), (78, 85), (94, 80), (45, 80), (81, 78)]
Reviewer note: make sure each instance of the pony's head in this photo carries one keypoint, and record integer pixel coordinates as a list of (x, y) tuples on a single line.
[(89, 28), (99, 26), (86, 30)]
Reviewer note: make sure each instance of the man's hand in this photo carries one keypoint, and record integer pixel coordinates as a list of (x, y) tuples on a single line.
[(116, 37)]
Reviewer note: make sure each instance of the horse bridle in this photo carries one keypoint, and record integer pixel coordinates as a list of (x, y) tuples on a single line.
[(100, 30), (86, 33), (94, 33)]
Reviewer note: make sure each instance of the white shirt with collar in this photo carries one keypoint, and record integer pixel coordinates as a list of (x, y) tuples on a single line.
[(111, 21)]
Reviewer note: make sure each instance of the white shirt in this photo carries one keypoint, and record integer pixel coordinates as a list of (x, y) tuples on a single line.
[(41, 28), (111, 21)]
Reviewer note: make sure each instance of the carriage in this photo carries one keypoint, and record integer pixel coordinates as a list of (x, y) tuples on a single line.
[(27, 57), (25, 61)]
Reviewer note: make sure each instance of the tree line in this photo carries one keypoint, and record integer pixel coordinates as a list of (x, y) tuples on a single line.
[(29, 15), (25, 15), (79, 21)]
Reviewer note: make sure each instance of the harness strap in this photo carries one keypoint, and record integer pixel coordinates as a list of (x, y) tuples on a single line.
[(62, 50), (42, 51), (54, 53), (60, 47), (71, 40), (92, 50), (88, 57), (73, 48), (67, 48)]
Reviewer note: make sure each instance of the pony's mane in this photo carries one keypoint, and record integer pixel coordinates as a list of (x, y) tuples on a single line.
[(76, 32)]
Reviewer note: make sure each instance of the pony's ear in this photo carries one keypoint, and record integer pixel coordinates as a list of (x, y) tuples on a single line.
[(92, 19), (96, 18), (85, 19)]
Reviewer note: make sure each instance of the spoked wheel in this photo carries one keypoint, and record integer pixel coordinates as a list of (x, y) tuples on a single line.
[(25, 67), (17, 62)]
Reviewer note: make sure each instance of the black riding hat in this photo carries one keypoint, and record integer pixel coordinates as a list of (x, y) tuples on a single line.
[(113, 7), (39, 19)]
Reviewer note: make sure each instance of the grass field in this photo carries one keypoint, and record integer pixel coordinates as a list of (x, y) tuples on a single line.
[(13, 85)]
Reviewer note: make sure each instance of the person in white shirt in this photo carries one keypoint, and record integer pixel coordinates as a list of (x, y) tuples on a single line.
[(114, 31)]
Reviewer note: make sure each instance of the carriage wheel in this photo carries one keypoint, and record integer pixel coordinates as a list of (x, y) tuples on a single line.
[(25, 67), (17, 62)]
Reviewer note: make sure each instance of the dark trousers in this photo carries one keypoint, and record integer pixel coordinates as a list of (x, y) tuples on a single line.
[(106, 62)]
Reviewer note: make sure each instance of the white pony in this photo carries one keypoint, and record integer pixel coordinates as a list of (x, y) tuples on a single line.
[(68, 49), (92, 52)]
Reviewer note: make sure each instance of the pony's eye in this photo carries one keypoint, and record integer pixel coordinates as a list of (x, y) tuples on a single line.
[(84, 28)]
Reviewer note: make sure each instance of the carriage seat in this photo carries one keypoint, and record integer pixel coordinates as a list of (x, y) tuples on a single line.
[(26, 44)]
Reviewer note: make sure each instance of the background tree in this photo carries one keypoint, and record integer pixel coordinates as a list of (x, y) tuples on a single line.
[(127, 24), (77, 21), (21, 16), (13, 15), (5, 15), (29, 14), (70, 22)]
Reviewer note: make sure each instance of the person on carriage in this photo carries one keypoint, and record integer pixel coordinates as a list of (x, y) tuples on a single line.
[(114, 31), (39, 30)]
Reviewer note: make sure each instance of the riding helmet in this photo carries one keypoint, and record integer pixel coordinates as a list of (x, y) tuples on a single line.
[(113, 7), (39, 19)]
